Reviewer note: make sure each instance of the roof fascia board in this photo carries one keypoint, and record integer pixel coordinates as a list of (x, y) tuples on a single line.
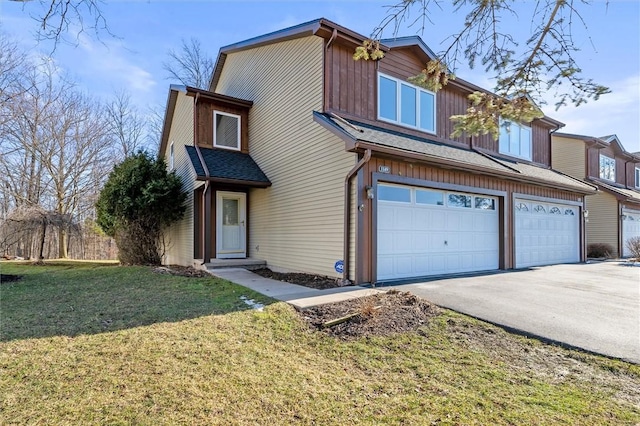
[(350, 141), (172, 98), (251, 183), (205, 94)]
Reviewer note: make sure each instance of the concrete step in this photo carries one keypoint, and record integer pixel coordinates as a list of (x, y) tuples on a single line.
[(248, 263)]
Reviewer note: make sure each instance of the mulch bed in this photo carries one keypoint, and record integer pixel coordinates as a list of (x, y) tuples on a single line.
[(398, 312), (7, 278), (319, 282)]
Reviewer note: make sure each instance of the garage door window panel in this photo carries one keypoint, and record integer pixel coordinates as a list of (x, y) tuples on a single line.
[(434, 198), (394, 193), (485, 203), (459, 200)]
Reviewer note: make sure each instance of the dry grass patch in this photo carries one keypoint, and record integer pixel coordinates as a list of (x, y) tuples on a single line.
[(271, 367)]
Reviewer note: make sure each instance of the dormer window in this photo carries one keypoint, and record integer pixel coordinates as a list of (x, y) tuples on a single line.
[(515, 140), (226, 130), (405, 104), (607, 168)]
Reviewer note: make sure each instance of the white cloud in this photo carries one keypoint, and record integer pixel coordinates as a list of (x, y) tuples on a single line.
[(111, 62), (615, 113)]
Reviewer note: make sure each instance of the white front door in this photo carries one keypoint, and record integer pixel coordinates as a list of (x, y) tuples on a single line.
[(630, 229), (230, 225)]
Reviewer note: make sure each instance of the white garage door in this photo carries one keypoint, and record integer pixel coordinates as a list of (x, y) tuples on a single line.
[(546, 233), (630, 228), (425, 232)]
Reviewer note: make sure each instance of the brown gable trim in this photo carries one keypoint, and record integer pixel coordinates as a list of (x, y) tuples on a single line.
[(205, 94), (168, 118)]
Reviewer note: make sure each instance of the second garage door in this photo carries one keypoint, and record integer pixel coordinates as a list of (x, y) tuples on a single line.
[(424, 232), (630, 229), (546, 233)]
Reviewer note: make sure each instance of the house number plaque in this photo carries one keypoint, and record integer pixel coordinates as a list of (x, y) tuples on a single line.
[(384, 169)]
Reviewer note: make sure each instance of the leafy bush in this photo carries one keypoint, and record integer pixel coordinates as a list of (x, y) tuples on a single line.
[(600, 250), (138, 201), (633, 244)]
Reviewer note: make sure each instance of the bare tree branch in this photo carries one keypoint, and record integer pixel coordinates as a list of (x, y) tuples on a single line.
[(190, 65)]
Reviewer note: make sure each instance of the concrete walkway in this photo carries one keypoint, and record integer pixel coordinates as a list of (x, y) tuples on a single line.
[(299, 296)]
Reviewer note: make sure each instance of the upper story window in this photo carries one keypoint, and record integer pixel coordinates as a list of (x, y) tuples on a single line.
[(637, 175), (171, 156), (515, 140), (405, 104), (607, 168), (226, 130)]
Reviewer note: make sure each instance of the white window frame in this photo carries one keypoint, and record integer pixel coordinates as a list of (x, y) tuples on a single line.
[(612, 162), (637, 177), (520, 128), (398, 121), (171, 157), (215, 144)]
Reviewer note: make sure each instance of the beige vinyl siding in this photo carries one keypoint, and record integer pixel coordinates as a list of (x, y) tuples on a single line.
[(179, 237), (297, 223), (602, 226), (568, 156)]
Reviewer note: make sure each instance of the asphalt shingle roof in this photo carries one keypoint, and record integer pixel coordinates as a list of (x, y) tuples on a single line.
[(227, 164), (383, 137), (629, 193)]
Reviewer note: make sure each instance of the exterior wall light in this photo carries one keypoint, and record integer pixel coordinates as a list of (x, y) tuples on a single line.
[(585, 213), (370, 194)]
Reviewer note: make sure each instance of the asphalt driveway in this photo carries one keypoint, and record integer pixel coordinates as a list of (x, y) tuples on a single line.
[(590, 306)]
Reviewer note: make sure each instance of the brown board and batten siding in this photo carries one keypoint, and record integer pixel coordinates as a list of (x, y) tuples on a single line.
[(179, 238), (205, 111), (297, 223), (421, 174), (351, 91)]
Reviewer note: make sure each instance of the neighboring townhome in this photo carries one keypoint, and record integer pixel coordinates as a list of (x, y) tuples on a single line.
[(313, 162), (614, 213)]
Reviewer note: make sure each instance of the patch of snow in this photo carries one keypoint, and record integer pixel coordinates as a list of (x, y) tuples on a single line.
[(252, 303)]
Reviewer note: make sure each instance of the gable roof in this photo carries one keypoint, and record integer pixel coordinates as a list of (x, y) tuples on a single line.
[(362, 136), (227, 166), (602, 142), (321, 27)]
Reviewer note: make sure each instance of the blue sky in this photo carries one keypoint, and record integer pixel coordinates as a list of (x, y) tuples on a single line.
[(146, 30)]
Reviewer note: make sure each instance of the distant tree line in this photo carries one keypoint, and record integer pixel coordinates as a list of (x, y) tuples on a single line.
[(57, 146)]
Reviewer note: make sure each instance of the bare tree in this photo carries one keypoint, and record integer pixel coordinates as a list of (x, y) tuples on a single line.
[(53, 149), (126, 125), (155, 123), (545, 63), (56, 17), (190, 65)]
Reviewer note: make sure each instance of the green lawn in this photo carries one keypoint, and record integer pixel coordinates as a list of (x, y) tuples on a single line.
[(92, 344)]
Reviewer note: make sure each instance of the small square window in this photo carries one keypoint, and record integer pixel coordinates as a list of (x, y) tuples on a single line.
[(226, 130)]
